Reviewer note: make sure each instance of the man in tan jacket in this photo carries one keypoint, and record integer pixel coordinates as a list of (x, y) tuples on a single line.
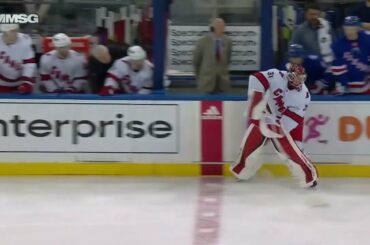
[(211, 59)]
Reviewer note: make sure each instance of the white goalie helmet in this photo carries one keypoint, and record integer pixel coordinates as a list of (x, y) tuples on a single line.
[(296, 75), (136, 53), (61, 40)]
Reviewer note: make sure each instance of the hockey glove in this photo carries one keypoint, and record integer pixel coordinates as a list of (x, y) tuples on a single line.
[(25, 88), (106, 91)]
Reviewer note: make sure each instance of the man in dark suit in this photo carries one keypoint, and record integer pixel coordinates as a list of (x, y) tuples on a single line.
[(211, 59)]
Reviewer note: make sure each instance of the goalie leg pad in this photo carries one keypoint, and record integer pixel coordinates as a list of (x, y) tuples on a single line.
[(299, 165), (247, 163)]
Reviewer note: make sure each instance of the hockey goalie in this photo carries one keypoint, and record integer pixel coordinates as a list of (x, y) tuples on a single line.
[(276, 106)]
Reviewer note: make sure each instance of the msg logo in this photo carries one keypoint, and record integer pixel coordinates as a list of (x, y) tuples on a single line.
[(19, 18)]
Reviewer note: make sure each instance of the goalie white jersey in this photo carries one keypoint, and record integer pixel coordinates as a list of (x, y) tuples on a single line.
[(58, 75), (296, 104), (283, 103), (17, 61), (122, 78)]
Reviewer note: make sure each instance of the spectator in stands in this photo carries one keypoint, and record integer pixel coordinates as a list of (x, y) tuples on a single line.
[(130, 74), (352, 53), (318, 73), (315, 34), (101, 59), (362, 11), (211, 59), (63, 70)]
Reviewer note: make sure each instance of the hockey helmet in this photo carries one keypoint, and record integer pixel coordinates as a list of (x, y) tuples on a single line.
[(352, 21), (295, 51), (136, 53), (61, 40)]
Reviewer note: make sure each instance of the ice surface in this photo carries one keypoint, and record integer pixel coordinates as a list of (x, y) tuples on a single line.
[(139, 211)]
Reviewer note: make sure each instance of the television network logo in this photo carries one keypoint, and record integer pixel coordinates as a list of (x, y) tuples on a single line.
[(19, 19)]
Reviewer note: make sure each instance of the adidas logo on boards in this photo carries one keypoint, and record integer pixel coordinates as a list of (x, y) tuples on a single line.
[(212, 113)]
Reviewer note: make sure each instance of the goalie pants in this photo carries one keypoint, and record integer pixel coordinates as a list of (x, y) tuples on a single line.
[(248, 163)]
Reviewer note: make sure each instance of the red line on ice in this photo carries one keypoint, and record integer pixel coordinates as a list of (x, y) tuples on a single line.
[(208, 214)]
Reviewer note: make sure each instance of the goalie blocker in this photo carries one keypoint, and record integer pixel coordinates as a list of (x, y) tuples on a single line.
[(276, 107)]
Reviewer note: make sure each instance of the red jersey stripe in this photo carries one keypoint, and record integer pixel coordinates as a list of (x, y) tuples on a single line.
[(263, 80), (45, 77), (114, 77), (293, 116), (30, 60)]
